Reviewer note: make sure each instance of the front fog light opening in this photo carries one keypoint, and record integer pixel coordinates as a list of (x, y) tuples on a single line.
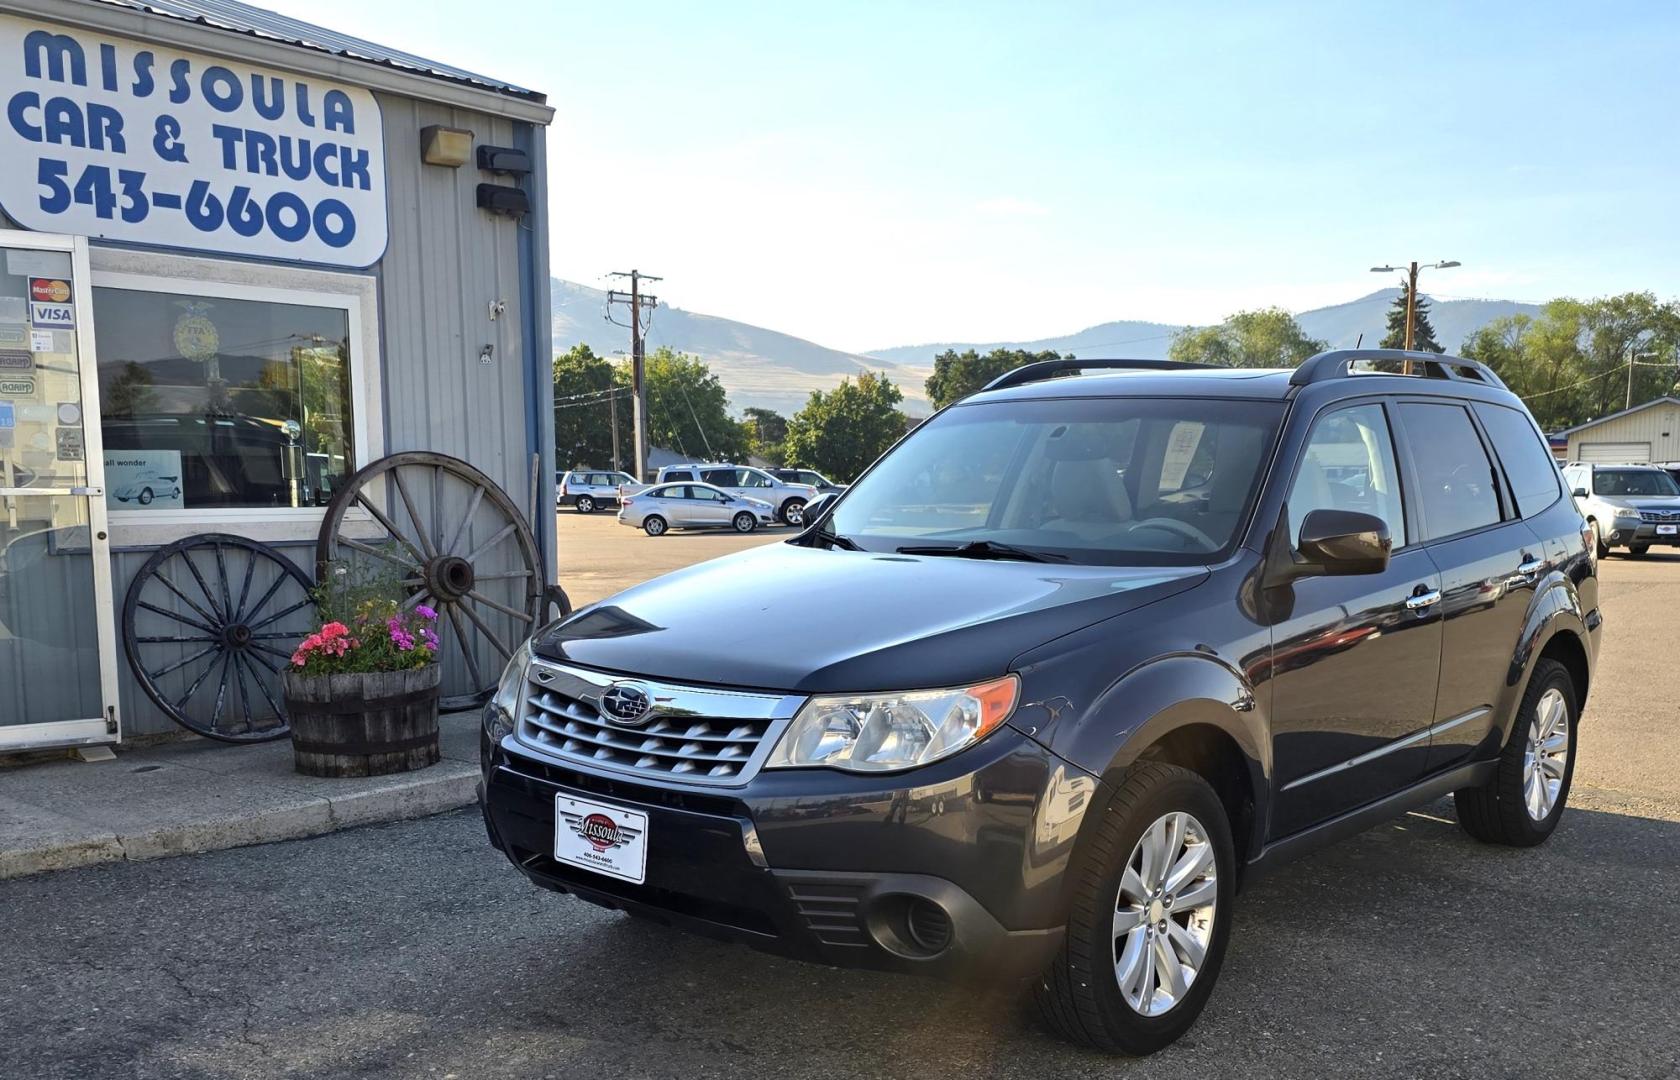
[(913, 927)]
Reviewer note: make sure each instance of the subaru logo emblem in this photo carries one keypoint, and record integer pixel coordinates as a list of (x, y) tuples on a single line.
[(626, 703)]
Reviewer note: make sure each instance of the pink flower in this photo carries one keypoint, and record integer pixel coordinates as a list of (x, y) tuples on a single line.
[(425, 612)]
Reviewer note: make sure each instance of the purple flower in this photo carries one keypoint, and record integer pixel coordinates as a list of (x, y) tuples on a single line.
[(425, 612)]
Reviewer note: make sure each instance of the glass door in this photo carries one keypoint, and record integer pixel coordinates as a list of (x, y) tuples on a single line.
[(57, 622)]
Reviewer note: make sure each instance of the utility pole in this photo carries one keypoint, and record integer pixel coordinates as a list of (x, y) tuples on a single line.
[(612, 402), (1411, 298), (638, 387)]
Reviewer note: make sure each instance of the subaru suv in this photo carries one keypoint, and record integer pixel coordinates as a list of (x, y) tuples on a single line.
[(1628, 506), (1067, 665)]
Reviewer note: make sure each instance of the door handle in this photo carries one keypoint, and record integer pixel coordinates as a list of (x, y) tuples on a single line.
[(1527, 569), (1423, 600)]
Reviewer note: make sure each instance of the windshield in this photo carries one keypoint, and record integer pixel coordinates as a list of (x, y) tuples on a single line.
[(1633, 482), (1112, 481)]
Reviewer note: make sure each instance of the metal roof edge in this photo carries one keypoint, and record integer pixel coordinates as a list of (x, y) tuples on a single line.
[(273, 52)]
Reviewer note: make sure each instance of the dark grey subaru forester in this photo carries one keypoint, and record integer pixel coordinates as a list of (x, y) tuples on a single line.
[(1033, 696)]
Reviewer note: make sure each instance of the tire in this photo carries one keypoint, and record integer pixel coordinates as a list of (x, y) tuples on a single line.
[(1638, 550), (1500, 811), (585, 504), (145, 496), (793, 512), (744, 522), (654, 525), (1080, 996), (1603, 549)]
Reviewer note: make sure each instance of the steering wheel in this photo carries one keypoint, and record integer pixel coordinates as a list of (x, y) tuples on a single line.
[(1180, 528)]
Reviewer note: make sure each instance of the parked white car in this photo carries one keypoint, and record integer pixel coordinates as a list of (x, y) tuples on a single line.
[(662, 507), (749, 483)]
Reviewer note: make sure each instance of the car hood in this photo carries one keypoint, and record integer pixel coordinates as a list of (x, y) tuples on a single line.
[(793, 618), (1642, 502)]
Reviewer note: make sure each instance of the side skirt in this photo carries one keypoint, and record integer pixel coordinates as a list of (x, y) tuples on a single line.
[(1425, 791)]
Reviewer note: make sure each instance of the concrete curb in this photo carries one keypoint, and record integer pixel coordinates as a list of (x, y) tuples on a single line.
[(186, 798)]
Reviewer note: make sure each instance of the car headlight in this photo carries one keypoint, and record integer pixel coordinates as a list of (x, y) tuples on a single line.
[(883, 732), (503, 710), (1624, 514)]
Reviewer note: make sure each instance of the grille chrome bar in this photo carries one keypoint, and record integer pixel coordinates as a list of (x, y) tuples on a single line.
[(695, 734)]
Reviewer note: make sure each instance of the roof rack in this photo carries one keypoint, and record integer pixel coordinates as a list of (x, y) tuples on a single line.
[(1045, 369), (1339, 363)]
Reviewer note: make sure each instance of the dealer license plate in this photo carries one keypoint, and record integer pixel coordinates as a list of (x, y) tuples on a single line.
[(607, 839), (1668, 530)]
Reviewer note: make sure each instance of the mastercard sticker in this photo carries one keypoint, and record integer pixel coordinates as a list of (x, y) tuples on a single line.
[(49, 290)]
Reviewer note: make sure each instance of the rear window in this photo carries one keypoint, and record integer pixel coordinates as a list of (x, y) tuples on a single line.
[(1528, 464), (679, 474), (1455, 479)]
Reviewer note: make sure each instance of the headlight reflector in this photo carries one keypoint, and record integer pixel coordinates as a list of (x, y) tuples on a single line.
[(503, 710), (884, 732)]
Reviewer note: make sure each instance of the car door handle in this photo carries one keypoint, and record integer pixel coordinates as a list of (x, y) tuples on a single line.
[(1528, 568), (1423, 600)]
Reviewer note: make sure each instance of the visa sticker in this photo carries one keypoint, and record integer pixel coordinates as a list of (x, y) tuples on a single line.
[(51, 316)]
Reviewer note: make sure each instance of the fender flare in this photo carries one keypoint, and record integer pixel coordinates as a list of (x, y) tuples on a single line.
[(1556, 609)]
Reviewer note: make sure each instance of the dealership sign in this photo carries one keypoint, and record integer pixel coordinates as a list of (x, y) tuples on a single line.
[(106, 137)]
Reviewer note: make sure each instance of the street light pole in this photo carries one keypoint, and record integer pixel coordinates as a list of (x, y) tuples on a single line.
[(1411, 297)]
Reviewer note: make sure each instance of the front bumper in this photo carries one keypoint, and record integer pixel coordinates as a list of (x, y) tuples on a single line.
[(957, 869), (1627, 534)]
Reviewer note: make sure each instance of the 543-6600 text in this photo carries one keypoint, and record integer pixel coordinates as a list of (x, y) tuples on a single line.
[(122, 193)]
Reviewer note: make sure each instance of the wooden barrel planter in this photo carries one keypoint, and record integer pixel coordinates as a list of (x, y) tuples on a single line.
[(364, 724)]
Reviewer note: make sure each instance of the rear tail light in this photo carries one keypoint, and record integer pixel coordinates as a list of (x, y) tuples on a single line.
[(626, 501), (1589, 537)]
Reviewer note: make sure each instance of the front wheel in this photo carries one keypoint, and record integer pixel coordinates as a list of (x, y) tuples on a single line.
[(585, 505), (654, 525), (1150, 918), (793, 512), (146, 497), (745, 522), (1522, 803)]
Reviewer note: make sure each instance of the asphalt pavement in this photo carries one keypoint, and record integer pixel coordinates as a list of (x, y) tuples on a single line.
[(414, 950)]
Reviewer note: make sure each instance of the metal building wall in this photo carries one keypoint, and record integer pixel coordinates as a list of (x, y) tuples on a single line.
[(446, 262), (1658, 426)]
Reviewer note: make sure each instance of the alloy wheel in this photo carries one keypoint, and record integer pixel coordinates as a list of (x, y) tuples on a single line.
[(1163, 917), (1547, 757)]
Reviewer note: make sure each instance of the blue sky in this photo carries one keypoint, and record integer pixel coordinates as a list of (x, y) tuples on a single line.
[(868, 175)]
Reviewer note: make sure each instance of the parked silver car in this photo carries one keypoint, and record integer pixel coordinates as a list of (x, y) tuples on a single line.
[(589, 489), (662, 507), (748, 482), (1628, 506)]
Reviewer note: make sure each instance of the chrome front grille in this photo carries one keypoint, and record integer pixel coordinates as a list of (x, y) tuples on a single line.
[(695, 734)]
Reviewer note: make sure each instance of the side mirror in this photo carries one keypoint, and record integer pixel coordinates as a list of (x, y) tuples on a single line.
[(818, 506), (1338, 543), (1579, 493)]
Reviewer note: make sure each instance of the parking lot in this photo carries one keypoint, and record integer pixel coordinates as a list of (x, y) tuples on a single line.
[(414, 950)]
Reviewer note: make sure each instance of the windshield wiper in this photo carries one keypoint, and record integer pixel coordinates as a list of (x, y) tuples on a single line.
[(983, 549)]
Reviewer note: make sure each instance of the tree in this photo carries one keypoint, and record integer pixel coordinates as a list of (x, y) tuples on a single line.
[(957, 375), (688, 409), (1267, 338), (583, 412), (840, 433), (766, 430), (1423, 334)]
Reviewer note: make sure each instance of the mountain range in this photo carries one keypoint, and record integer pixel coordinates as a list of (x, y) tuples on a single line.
[(774, 370)]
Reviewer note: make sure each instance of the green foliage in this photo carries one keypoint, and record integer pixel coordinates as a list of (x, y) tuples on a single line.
[(1269, 337), (364, 628), (1570, 364), (1423, 334), (766, 431), (688, 409), (957, 375), (840, 433)]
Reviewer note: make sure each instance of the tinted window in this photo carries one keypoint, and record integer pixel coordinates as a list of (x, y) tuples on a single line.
[(720, 477), (1077, 478), (1632, 482), (1348, 464), (1455, 479), (679, 474), (670, 491), (1528, 464)]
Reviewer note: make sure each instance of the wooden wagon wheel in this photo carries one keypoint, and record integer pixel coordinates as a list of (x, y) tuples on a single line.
[(223, 610), (456, 542)]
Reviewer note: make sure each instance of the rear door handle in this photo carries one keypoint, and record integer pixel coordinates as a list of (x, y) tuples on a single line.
[(1529, 567), (1423, 600)]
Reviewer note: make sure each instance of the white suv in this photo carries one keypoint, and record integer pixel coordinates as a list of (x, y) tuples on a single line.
[(748, 483)]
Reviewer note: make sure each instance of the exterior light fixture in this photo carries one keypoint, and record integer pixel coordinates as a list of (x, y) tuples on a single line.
[(447, 146)]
